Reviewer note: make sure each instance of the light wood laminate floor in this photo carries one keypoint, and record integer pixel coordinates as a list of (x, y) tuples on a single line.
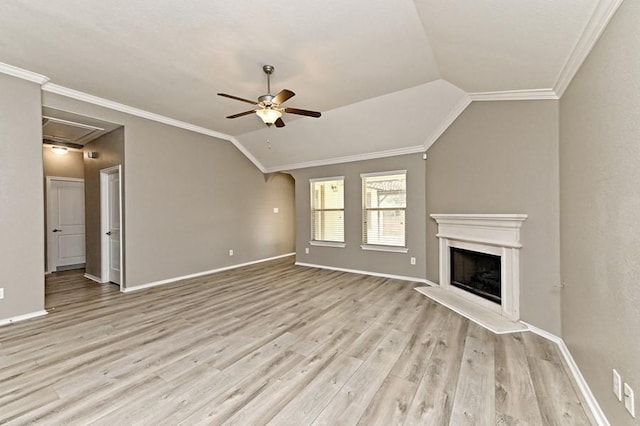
[(274, 344)]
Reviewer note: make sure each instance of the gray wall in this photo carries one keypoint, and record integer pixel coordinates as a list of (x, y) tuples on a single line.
[(600, 212), (502, 157), (352, 256), (110, 149), (190, 198), (21, 198), (69, 165)]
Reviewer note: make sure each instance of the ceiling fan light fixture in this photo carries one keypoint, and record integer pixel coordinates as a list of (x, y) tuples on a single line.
[(268, 115)]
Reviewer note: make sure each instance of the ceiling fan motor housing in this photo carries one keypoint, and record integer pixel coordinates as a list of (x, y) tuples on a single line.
[(266, 99)]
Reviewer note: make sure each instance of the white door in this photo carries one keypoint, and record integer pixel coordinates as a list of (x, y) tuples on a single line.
[(66, 228), (114, 228), (111, 210)]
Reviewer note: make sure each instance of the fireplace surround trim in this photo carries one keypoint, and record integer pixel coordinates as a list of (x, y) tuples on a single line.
[(496, 234)]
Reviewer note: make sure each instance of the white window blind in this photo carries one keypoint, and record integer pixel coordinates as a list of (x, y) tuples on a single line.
[(384, 207), (327, 209)]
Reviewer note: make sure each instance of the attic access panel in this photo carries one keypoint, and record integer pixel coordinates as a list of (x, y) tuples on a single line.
[(68, 131)]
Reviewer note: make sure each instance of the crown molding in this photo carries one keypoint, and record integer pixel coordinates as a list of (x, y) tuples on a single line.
[(595, 27), (448, 121), (106, 103), (23, 74), (348, 159), (515, 95), (592, 32)]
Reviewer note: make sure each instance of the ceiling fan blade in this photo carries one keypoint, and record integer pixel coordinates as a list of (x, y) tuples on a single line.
[(279, 122), (242, 114), (237, 98), (308, 113), (283, 96)]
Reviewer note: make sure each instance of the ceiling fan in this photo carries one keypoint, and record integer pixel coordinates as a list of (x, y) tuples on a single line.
[(269, 107)]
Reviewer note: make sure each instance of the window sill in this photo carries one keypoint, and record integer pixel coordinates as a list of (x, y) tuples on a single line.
[(327, 244), (390, 249)]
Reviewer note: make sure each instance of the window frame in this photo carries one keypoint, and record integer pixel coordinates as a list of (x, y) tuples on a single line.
[(313, 210), (383, 247)]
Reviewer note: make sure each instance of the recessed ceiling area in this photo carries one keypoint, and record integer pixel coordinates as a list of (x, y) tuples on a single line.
[(387, 76), (72, 130)]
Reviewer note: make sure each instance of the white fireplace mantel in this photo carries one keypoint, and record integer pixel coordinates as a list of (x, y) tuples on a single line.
[(496, 234)]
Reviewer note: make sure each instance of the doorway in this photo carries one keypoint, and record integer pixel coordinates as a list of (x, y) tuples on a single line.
[(110, 224), (78, 148), (65, 224)]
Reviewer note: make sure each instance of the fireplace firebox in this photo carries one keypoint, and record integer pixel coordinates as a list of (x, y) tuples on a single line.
[(477, 273)]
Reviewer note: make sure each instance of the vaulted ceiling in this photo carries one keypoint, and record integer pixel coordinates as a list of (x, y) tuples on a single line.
[(389, 76)]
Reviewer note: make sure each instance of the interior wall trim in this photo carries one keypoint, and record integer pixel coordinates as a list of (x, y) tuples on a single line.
[(23, 74), (116, 106), (350, 158), (603, 13), (199, 274), (448, 121), (583, 386), (357, 271), (18, 318), (515, 95), (595, 27), (94, 278)]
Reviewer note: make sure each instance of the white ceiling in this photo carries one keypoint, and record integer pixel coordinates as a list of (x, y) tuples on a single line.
[(386, 74)]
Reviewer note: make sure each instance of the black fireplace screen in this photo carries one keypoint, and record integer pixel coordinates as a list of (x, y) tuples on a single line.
[(475, 272)]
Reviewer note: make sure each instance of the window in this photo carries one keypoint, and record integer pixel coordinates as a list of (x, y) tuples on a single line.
[(384, 200), (327, 210)]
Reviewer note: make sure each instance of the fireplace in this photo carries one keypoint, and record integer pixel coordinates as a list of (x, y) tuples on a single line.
[(480, 260), (477, 273)]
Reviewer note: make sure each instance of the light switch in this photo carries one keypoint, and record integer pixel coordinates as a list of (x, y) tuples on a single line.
[(629, 401), (617, 385)]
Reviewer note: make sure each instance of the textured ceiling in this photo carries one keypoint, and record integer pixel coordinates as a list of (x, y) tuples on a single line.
[(375, 68), (498, 45)]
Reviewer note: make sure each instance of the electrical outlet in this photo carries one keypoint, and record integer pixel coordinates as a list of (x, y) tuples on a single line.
[(617, 385), (629, 401), (1, 293), (231, 252), (306, 250), (413, 260), (276, 210)]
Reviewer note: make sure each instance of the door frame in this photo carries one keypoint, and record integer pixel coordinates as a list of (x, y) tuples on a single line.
[(104, 225), (49, 225)]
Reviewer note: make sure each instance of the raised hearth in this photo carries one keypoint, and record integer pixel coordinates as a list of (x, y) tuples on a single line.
[(494, 235)]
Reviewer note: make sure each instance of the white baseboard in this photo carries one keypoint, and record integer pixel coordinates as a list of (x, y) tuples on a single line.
[(22, 317), (356, 271), (199, 274), (94, 278), (597, 412)]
